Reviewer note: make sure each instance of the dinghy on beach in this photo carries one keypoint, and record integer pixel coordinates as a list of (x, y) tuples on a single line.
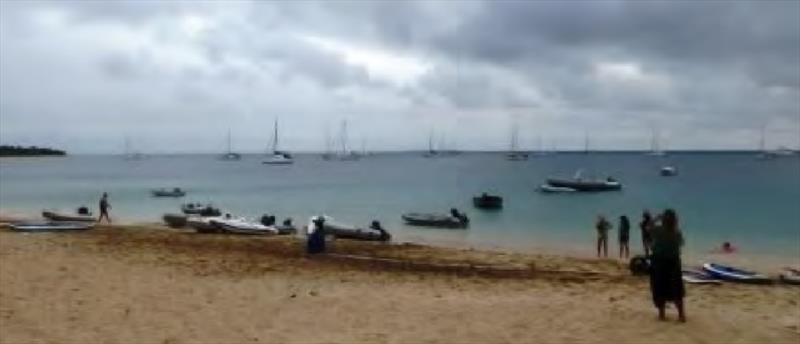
[(341, 231), (242, 226), (733, 274), (54, 215), (50, 226), (790, 276)]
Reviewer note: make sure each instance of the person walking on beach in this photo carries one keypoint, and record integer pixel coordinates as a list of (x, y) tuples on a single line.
[(602, 226), (104, 207), (646, 226), (624, 236), (666, 281)]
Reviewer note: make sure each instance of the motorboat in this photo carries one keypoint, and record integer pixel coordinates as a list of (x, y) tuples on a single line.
[(790, 276), (203, 224), (669, 171), (81, 215), (200, 209), (285, 228), (175, 220), (164, 192), (50, 226), (586, 185), (241, 226), (547, 188), (454, 220), (342, 231), (734, 274), (486, 201)]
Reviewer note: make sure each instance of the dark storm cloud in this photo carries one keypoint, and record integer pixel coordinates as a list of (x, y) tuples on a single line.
[(729, 66)]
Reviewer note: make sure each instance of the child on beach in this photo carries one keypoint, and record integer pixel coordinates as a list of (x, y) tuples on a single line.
[(602, 226), (624, 236), (104, 207)]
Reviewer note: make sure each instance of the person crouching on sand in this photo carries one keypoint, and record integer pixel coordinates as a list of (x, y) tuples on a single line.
[(666, 282), (602, 226), (104, 207)]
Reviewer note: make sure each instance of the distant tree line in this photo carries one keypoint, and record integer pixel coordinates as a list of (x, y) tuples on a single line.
[(6, 150)]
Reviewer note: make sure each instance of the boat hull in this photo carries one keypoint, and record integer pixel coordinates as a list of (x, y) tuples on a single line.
[(585, 186), (434, 220), (56, 216), (50, 226), (488, 202), (735, 275)]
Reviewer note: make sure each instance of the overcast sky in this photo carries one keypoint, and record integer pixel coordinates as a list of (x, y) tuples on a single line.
[(176, 76)]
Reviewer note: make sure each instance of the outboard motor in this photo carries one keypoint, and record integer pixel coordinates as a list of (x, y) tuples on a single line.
[(267, 220), (83, 210), (287, 222), (384, 235)]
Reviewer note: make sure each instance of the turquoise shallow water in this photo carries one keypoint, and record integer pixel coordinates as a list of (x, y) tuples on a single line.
[(718, 196)]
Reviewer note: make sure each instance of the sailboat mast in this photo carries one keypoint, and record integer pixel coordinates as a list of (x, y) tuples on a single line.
[(275, 138), (586, 143), (229, 141)]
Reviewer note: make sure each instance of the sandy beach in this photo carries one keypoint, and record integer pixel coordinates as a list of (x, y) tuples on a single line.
[(148, 284)]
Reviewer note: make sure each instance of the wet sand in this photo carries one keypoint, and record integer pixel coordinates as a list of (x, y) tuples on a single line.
[(148, 284)]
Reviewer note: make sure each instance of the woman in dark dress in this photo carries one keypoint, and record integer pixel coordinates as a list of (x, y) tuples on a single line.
[(624, 236), (666, 282)]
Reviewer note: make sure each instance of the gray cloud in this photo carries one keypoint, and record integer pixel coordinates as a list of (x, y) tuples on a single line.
[(100, 70)]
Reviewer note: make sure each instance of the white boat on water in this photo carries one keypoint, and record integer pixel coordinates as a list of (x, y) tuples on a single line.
[(278, 157)]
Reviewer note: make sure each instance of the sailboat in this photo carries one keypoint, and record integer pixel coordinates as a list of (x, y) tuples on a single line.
[(277, 157), (655, 145), (328, 155), (129, 154), (431, 153), (345, 154), (513, 154), (230, 155), (767, 154)]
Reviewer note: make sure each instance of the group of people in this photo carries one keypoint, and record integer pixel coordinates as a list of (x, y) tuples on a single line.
[(662, 241), (603, 226)]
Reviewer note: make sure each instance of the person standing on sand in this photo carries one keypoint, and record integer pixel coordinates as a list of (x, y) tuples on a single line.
[(646, 226), (602, 226), (624, 236), (104, 207), (666, 280)]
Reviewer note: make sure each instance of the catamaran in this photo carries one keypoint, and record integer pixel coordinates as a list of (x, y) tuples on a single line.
[(278, 157), (655, 145)]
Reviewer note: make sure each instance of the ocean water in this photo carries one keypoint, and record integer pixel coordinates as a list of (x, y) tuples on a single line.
[(718, 196)]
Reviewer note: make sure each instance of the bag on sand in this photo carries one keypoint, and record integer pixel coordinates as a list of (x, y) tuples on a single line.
[(639, 265)]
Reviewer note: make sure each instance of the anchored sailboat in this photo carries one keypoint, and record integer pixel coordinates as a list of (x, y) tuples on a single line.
[(129, 154), (655, 144), (345, 154), (230, 155), (278, 157), (514, 154)]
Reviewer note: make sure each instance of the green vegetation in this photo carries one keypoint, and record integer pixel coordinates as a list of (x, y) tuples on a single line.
[(29, 151)]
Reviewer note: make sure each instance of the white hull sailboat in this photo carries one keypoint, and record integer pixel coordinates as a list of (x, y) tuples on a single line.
[(277, 157), (230, 155), (345, 154), (655, 145)]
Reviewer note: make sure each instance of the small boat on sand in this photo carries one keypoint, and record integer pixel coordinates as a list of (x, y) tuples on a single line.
[(454, 220), (200, 209), (699, 277), (203, 224), (790, 276), (78, 216), (175, 220), (341, 231), (285, 228), (164, 192), (242, 226), (47, 226), (733, 274), (486, 201)]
